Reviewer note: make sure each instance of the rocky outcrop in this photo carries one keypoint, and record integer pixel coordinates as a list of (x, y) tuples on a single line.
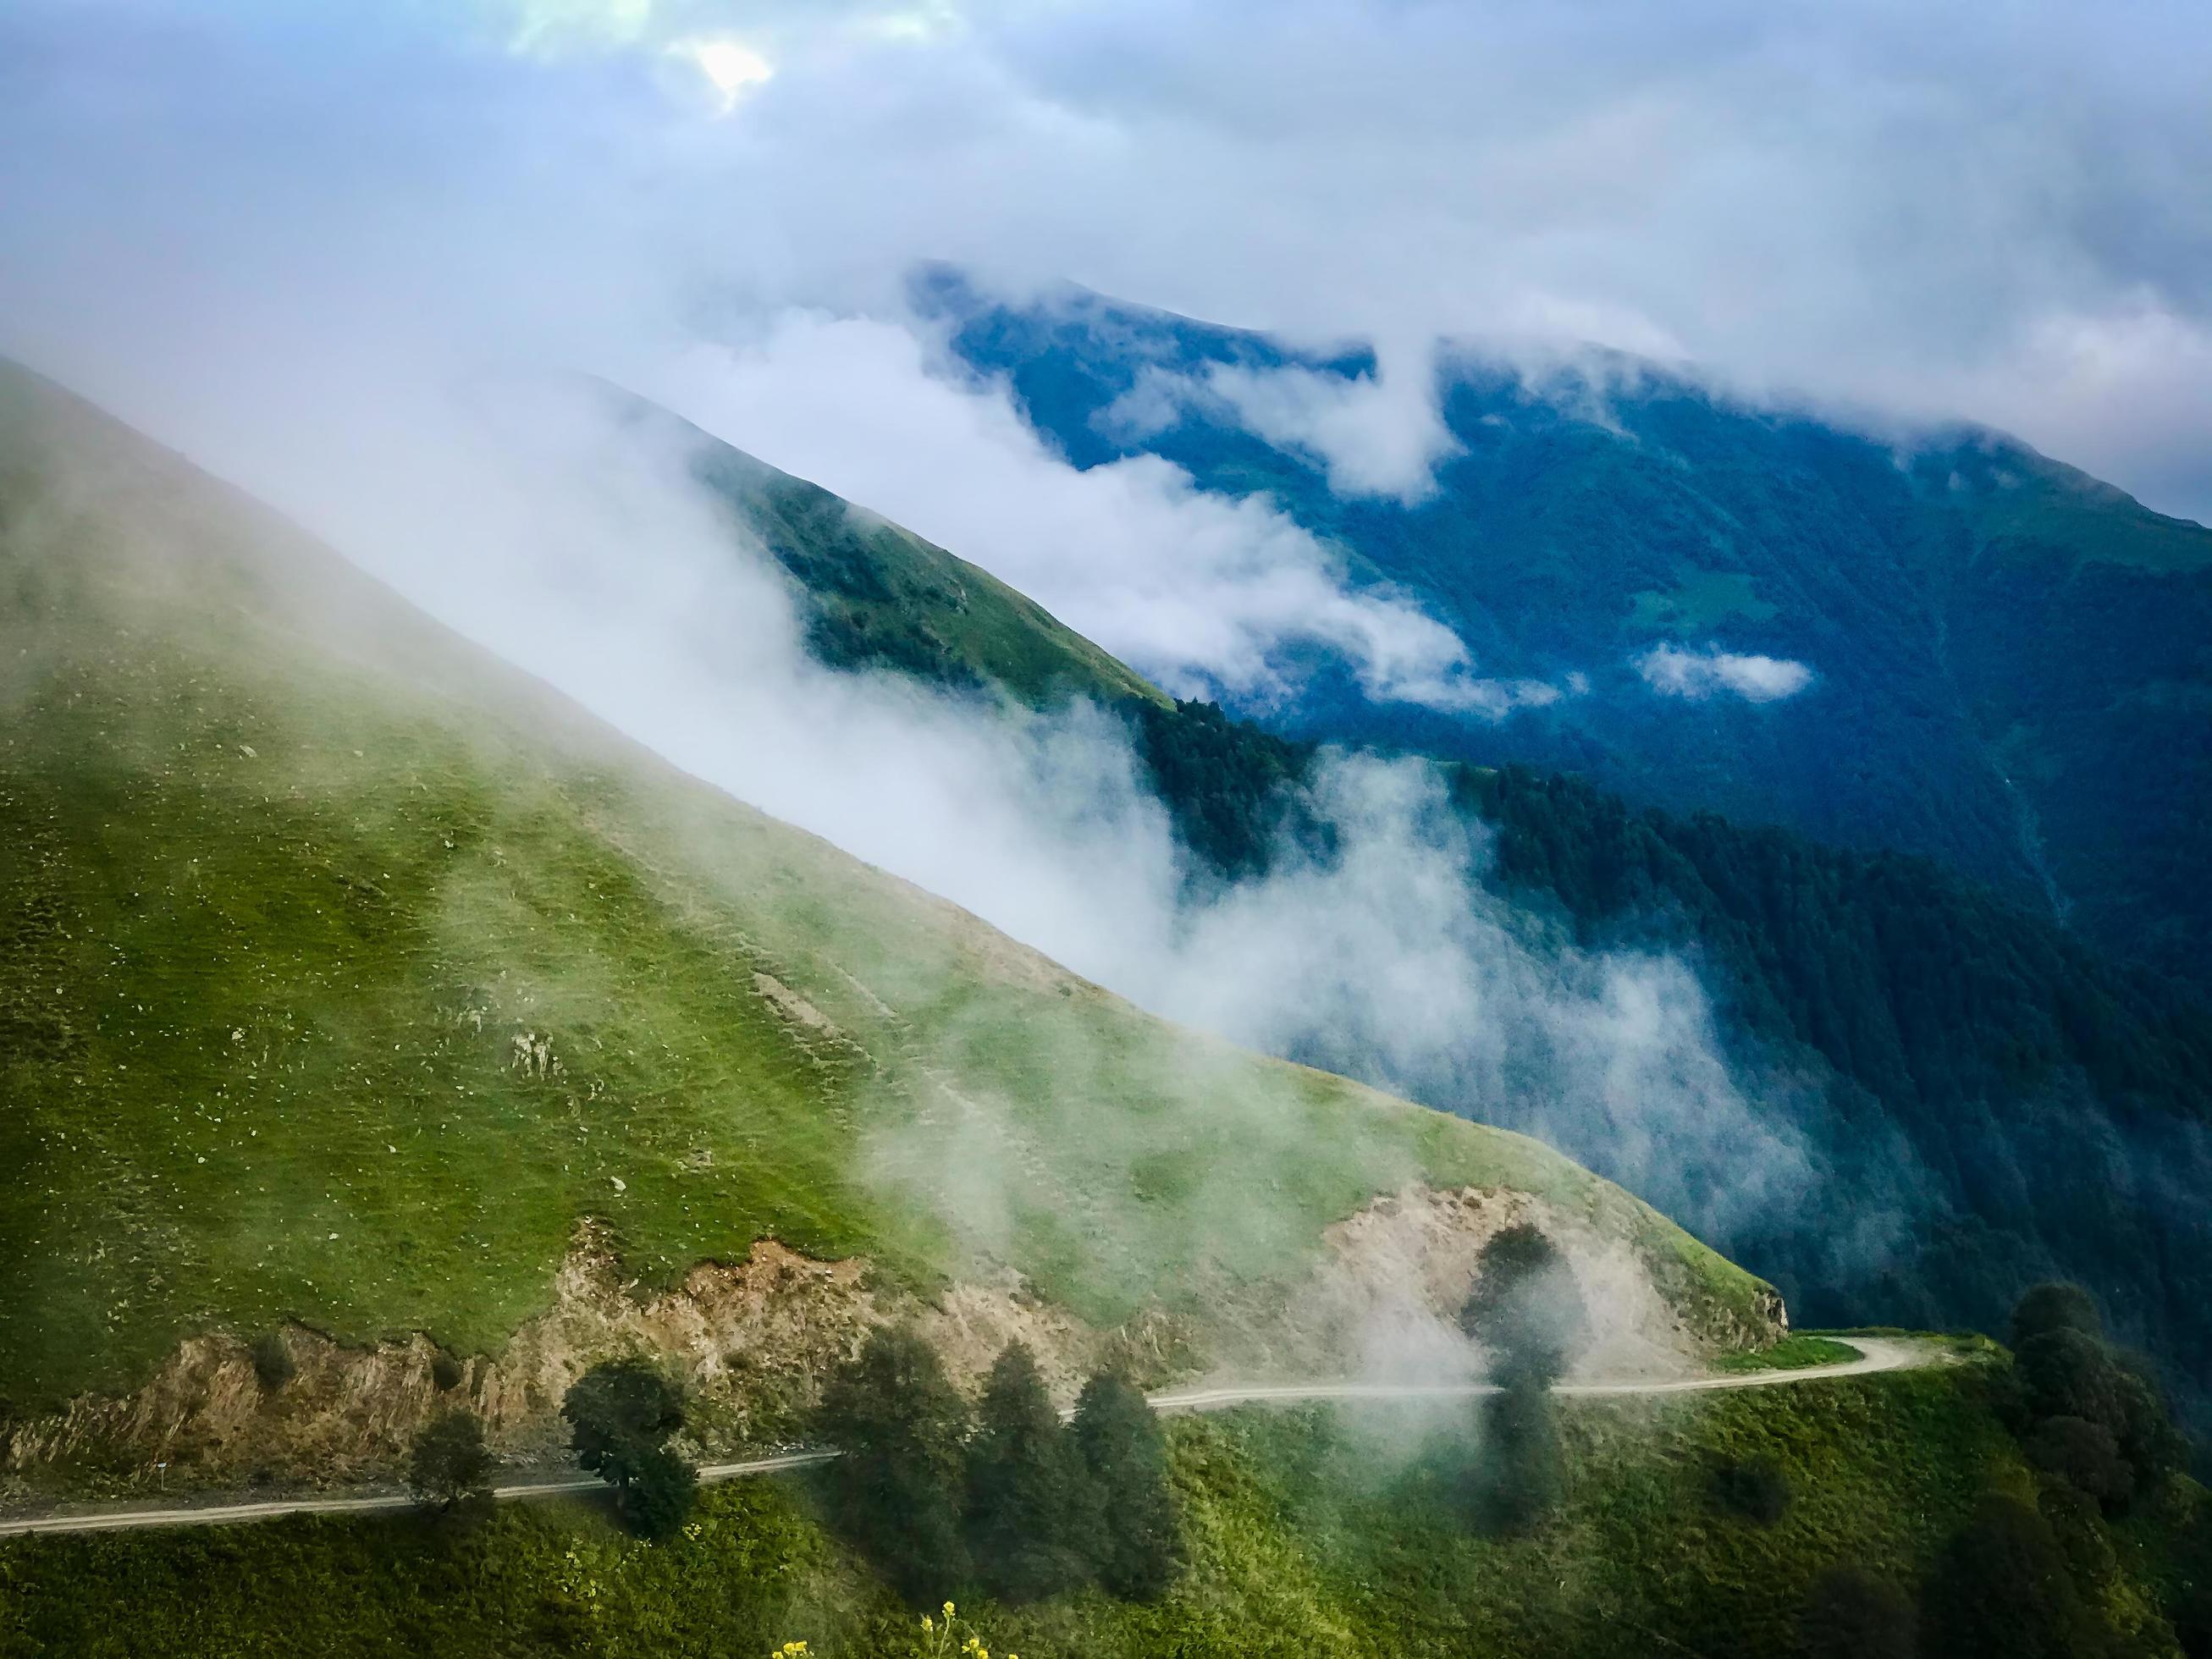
[(752, 1340)]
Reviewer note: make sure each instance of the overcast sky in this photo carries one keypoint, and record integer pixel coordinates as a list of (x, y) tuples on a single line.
[(1999, 211)]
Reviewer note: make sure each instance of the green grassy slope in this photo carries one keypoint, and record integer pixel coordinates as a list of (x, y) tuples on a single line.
[(875, 595), (293, 877), (2018, 500), (1306, 1534)]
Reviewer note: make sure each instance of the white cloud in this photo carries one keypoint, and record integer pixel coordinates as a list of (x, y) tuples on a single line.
[(1377, 435), (581, 551), (732, 67), (1674, 672), (1201, 591)]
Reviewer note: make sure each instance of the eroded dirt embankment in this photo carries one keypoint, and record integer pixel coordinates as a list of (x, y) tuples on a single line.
[(751, 1341)]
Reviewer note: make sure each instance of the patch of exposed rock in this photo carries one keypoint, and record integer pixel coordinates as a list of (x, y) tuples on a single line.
[(751, 1342), (1383, 1304)]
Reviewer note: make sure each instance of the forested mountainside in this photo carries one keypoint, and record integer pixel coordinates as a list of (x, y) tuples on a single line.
[(348, 970), (2024, 1105), (2008, 663), (2021, 1103)]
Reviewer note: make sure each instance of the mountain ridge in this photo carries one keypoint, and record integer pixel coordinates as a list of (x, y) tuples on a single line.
[(2006, 665), (1946, 1054)]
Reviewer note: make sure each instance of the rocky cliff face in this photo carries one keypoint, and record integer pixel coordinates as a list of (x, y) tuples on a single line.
[(752, 1341)]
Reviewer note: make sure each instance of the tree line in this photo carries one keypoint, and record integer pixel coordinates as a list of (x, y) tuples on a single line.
[(1005, 1496), (2089, 1417), (2091, 1421)]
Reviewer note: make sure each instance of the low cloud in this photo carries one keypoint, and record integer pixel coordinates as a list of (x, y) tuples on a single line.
[(1378, 435), (580, 548), (1673, 671), (291, 291), (1206, 593)]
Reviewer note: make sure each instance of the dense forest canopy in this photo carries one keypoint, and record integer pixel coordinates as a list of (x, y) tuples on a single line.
[(2054, 1106), (2005, 662)]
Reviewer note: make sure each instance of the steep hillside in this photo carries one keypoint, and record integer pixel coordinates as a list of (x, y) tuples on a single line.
[(2034, 1110), (346, 972), (1951, 1056), (2008, 659), (874, 595), (2004, 1103)]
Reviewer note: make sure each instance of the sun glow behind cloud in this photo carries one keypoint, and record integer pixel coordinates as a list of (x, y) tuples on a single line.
[(733, 68)]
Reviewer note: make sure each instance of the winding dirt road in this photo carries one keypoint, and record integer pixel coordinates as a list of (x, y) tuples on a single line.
[(1876, 1354)]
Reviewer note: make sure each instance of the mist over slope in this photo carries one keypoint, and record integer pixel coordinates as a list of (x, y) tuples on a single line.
[(872, 594), (1934, 641), (347, 969), (1875, 1081)]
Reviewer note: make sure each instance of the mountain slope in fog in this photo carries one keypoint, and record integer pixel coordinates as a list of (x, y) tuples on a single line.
[(345, 968), (2000, 1100), (2002, 661), (872, 595)]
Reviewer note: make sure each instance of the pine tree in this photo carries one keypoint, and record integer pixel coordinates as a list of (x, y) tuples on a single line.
[(1119, 1435), (1526, 1307), (1033, 1515), (899, 1423), (2066, 1373)]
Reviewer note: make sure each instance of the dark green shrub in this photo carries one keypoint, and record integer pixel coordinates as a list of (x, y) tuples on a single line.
[(2067, 1374), (621, 1415), (2002, 1590), (1755, 1491), (2056, 1306), (657, 1497), (450, 1465), (273, 1363), (2063, 1369), (2085, 1456)]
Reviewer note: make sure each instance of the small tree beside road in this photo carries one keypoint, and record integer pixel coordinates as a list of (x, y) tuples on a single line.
[(621, 1415), (450, 1465)]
